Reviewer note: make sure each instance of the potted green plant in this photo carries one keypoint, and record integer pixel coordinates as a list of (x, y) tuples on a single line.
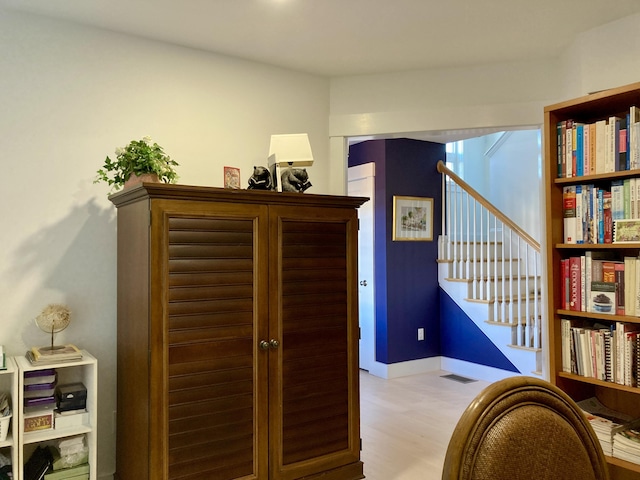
[(136, 161)]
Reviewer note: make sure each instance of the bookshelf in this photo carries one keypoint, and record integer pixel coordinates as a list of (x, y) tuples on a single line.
[(85, 371), (587, 110), (9, 442)]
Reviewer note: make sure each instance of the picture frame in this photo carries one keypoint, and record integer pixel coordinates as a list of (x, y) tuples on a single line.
[(626, 231), (412, 219), (231, 177)]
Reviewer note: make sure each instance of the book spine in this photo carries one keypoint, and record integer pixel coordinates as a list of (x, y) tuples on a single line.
[(579, 149), (567, 284), (560, 128), (583, 284), (614, 142), (607, 356), (619, 278), (637, 361), (636, 291), (633, 202), (608, 217), (569, 171), (569, 213), (574, 282), (600, 216), (632, 135), (617, 200), (580, 215), (566, 344), (600, 146), (619, 373)]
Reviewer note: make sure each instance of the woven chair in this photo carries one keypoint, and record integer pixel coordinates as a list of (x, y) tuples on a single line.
[(524, 428)]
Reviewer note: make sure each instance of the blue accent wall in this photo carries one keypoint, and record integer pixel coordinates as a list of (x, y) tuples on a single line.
[(461, 339), (407, 295), (406, 273)]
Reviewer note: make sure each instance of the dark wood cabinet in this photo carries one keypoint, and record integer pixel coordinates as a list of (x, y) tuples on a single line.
[(237, 335)]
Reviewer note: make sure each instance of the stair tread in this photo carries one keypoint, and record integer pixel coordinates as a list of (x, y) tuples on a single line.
[(530, 297)]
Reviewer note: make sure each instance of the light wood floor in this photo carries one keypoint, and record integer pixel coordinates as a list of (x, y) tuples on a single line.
[(406, 423)]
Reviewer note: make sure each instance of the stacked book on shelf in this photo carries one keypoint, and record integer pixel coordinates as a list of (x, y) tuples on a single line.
[(607, 352), (604, 146), (626, 442), (599, 282), (49, 355), (604, 421)]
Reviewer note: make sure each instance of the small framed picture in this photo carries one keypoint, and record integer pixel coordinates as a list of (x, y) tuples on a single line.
[(626, 231), (412, 219), (231, 177)]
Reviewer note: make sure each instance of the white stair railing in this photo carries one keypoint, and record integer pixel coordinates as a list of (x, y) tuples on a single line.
[(499, 261)]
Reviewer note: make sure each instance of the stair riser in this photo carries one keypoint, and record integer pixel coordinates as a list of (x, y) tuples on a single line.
[(463, 269), (476, 251), (483, 290)]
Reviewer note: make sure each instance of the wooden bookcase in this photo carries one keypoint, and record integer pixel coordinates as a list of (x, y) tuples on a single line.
[(587, 109)]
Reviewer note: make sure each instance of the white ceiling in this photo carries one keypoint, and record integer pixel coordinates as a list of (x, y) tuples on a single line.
[(350, 37)]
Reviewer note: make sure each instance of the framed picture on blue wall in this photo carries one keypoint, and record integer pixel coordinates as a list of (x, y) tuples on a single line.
[(412, 219)]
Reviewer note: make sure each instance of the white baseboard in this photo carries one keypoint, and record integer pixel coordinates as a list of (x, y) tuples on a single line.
[(425, 365), (404, 369), (475, 371)]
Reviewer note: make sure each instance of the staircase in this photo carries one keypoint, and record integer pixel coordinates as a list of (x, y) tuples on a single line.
[(492, 270)]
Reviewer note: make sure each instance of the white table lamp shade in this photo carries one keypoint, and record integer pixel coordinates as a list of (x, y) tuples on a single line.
[(290, 149)]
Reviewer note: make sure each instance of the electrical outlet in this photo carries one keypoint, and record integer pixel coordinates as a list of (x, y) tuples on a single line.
[(421, 334)]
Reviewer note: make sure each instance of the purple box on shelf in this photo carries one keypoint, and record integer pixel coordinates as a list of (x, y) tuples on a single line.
[(40, 401), (39, 390), (47, 375)]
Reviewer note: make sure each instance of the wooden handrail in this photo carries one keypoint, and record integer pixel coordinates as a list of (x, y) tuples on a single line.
[(486, 204)]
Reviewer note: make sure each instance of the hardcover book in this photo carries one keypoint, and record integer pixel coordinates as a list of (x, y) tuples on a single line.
[(603, 298), (569, 213)]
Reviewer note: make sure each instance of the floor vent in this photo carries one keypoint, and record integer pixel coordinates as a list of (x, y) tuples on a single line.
[(458, 378)]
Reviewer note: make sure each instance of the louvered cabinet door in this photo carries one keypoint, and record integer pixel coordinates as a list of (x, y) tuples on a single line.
[(214, 293), (313, 408)]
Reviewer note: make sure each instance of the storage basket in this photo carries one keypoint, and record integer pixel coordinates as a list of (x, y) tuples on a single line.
[(5, 422)]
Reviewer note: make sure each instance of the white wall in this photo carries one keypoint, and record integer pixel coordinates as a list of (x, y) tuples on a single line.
[(498, 95), (68, 97), (451, 99), (514, 186)]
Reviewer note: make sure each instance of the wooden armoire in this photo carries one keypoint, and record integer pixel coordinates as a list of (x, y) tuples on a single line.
[(237, 335)]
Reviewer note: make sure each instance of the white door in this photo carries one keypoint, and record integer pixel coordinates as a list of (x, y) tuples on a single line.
[(361, 184)]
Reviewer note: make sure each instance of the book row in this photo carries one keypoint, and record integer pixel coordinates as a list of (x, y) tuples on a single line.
[(602, 215), (597, 282), (607, 352), (607, 145)]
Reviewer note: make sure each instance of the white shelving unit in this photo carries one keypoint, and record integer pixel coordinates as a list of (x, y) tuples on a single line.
[(85, 371), (9, 383)]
